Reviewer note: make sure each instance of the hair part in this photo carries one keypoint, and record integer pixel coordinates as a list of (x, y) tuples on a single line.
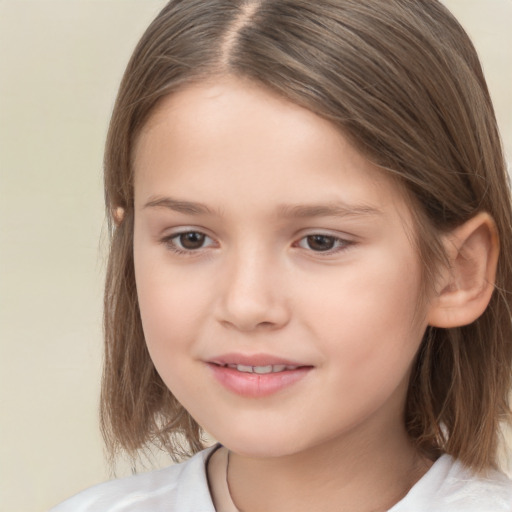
[(400, 79)]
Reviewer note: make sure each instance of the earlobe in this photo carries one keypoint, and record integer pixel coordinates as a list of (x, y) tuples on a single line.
[(467, 285), (118, 215)]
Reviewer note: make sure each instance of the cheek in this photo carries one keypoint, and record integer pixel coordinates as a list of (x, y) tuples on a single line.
[(369, 319), (170, 306), (171, 320)]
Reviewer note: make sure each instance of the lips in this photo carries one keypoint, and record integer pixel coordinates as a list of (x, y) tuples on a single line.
[(254, 360), (256, 376), (261, 370)]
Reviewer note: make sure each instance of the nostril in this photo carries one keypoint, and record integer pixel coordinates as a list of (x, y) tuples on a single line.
[(265, 324)]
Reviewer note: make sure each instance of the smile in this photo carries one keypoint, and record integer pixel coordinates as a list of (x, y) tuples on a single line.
[(261, 370), (257, 380)]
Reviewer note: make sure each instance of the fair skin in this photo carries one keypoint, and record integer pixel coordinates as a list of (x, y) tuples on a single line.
[(264, 239)]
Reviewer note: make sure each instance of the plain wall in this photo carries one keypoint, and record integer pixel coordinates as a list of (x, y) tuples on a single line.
[(60, 65)]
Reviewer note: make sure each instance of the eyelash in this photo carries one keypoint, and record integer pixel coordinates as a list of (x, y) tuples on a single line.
[(340, 244), (170, 243)]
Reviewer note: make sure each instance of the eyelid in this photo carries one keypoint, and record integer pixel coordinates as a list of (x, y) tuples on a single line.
[(344, 242), (168, 241)]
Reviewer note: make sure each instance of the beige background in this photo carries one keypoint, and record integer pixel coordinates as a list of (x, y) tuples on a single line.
[(60, 64)]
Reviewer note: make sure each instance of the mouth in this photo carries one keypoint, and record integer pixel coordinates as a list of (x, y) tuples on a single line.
[(260, 370), (257, 376)]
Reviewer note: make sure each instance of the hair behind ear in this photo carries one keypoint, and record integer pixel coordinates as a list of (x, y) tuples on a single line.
[(459, 387)]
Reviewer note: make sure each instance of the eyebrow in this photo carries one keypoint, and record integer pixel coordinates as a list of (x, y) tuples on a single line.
[(187, 207), (332, 209)]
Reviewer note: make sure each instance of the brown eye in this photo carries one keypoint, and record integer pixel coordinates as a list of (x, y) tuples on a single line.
[(320, 242), (191, 240)]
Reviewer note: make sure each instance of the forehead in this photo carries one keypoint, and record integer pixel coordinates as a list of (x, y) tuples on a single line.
[(227, 109), (232, 134)]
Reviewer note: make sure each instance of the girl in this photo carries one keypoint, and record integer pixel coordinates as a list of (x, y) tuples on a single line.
[(310, 260)]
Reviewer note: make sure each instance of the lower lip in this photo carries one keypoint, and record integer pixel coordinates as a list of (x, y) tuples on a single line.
[(257, 385)]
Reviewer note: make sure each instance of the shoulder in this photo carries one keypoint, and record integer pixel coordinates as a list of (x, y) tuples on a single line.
[(180, 487), (449, 486)]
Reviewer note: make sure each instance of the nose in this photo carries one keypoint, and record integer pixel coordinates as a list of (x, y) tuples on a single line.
[(252, 295)]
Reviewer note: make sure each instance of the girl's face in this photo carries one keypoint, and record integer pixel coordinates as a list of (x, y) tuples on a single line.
[(264, 242)]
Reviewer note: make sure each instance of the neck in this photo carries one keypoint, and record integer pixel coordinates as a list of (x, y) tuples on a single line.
[(355, 474)]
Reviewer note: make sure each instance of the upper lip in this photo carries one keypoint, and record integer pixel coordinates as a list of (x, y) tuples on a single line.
[(253, 360)]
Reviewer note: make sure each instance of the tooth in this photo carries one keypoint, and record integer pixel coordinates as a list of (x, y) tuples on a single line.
[(243, 368), (262, 369)]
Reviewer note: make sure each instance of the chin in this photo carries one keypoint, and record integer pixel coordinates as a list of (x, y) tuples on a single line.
[(258, 446)]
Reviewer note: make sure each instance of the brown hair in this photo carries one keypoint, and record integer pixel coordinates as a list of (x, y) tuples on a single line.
[(403, 81)]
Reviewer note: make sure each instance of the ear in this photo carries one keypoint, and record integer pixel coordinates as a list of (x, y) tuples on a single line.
[(465, 288), (118, 215)]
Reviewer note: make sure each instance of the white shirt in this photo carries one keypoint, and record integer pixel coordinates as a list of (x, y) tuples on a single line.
[(446, 487)]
